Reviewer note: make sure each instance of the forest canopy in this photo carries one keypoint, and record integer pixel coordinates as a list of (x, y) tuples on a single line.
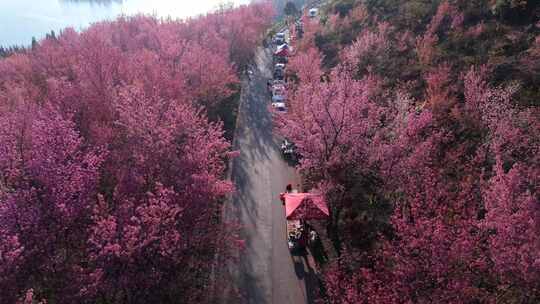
[(419, 121), (112, 158)]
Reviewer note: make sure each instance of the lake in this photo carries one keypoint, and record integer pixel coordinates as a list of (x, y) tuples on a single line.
[(20, 20)]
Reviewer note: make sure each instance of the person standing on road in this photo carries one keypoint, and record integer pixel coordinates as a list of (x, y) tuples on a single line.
[(269, 87), (249, 73), (288, 189)]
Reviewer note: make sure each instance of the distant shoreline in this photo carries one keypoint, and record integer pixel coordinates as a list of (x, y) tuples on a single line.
[(18, 24)]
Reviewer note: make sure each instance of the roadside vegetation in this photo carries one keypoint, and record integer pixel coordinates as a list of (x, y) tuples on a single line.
[(112, 158), (419, 121)]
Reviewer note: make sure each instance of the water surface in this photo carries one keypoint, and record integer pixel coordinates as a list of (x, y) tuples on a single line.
[(20, 20)]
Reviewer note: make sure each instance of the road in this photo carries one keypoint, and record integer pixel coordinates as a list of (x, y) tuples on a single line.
[(266, 272)]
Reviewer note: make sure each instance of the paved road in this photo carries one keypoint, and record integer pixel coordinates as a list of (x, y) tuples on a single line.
[(266, 272)]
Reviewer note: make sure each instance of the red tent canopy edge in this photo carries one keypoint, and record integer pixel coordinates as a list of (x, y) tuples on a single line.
[(305, 206)]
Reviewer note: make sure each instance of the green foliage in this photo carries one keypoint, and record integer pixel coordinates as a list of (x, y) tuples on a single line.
[(290, 9), (415, 14), (227, 112), (343, 7), (367, 212), (8, 51), (329, 46), (516, 11)]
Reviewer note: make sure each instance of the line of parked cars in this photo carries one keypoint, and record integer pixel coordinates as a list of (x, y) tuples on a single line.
[(277, 88)]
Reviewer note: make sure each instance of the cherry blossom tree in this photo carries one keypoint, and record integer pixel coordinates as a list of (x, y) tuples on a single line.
[(48, 183), (111, 171), (510, 194), (456, 236), (458, 163), (426, 44)]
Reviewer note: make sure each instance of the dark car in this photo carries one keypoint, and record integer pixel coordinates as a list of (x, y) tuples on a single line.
[(279, 74)]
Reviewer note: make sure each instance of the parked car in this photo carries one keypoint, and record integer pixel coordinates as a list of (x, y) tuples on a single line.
[(279, 38), (279, 96), (272, 85), (278, 87), (288, 149), (282, 59), (279, 107), (277, 82), (279, 74), (279, 66)]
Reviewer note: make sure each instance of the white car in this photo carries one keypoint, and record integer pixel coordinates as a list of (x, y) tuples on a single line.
[(279, 66), (279, 38), (278, 94), (278, 98), (278, 88), (279, 107)]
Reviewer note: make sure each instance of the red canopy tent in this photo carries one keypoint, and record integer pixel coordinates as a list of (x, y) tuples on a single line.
[(305, 206), (282, 53), (283, 50)]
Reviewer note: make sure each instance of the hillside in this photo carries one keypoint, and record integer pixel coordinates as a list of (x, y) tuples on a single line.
[(499, 34)]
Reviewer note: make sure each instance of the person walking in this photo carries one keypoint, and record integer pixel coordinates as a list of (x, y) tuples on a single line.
[(269, 87)]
